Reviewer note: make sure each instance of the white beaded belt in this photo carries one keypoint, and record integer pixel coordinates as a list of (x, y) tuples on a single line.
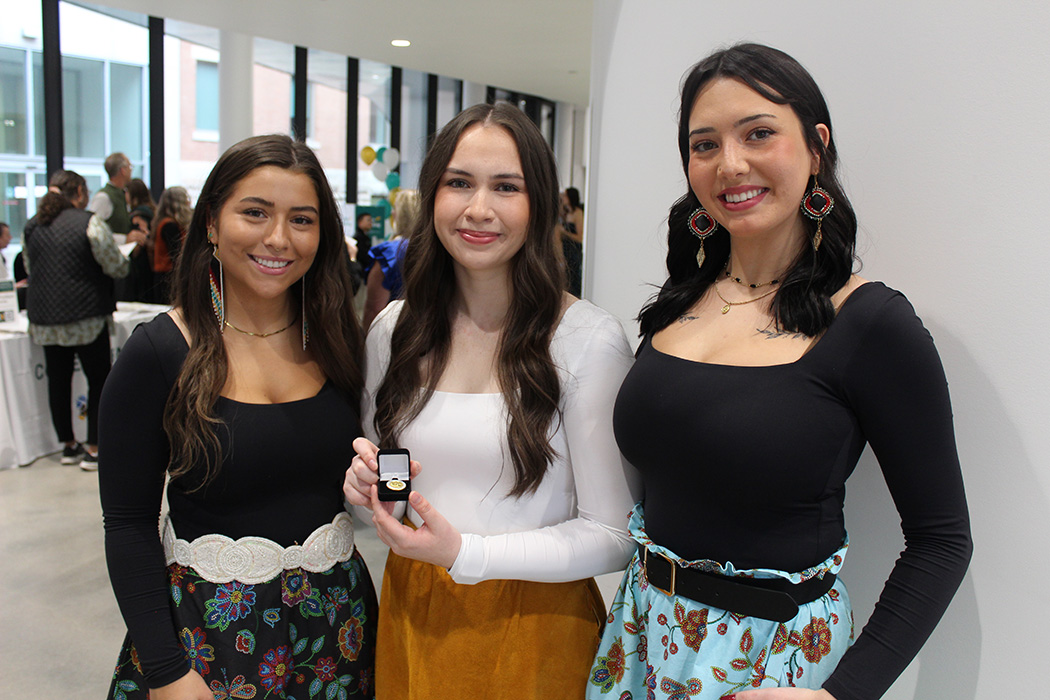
[(252, 560)]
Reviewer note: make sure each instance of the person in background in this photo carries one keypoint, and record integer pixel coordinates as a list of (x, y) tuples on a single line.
[(5, 240), (111, 205), (242, 401), (170, 224), (73, 260), (140, 207), (501, 385), (570, 230), (765, 368), (384, 278), (363, 239)]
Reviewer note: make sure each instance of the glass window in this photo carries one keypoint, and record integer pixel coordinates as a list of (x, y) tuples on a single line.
[(14, 115), (83, 107), (373, 125), (189, 153), (207, 94), (326, 115), (39, 136), (272, 86), (413, 126), (13, 196), (446, 100), (127, 110)]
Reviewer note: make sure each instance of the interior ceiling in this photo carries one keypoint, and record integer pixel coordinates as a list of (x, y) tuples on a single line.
[(539, 47)]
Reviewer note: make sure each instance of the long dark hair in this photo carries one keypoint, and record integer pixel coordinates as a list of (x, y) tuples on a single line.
[(63, 187), (335, 333), (422, 336), (803, 302)]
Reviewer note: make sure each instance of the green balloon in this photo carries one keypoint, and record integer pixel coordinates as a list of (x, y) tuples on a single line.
[(393, 180), (379, 153)]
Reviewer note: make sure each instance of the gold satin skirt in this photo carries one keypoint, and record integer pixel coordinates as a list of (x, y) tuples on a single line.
[(498, 640)]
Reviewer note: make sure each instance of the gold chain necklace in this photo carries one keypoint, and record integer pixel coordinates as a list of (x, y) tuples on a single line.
[(731, 304), (263, 335)]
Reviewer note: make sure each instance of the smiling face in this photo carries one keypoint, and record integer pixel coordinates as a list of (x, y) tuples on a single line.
[(267, 233), (481, 209), (749, 163)]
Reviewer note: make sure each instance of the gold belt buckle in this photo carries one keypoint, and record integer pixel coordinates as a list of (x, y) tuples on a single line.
[(670, 563)]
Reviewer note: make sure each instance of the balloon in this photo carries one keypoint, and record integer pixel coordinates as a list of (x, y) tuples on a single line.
[(368, 155), (380, 170), (393, 180), (394, 192), (391, 158), (385, 206), (380, 153)]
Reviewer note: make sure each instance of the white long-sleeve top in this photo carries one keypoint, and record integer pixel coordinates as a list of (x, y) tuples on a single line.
[(575, 524)]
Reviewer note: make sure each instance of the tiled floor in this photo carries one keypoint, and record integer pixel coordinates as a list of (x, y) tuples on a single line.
[(60, 629)]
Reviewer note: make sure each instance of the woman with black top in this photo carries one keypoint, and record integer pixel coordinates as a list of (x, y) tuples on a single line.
[(766, 366), (570, 229), (245, 396)]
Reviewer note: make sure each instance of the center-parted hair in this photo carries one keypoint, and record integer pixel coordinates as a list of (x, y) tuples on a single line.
[(421, 338), (335, 332), (803, 302)]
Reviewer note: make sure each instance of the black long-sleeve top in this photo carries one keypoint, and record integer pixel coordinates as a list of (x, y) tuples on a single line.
[(748, 465), (281, 478)]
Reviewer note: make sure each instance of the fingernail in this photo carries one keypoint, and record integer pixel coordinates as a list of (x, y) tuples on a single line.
[(728, 697)]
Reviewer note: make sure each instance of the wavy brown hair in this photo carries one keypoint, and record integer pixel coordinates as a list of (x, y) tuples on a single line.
[(63, 187), (421, 339), (335, 333)]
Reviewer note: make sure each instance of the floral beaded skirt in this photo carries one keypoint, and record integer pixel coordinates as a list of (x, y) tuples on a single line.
[(297, 636), (657, 646)]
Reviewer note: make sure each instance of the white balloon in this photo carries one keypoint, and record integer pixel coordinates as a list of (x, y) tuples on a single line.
[(380, 170), (391, 158)]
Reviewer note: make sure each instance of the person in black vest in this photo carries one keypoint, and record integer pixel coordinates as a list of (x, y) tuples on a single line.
[(111, 205), (73, 260)]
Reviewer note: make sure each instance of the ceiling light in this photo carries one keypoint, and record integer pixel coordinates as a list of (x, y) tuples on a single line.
[(400, 43)]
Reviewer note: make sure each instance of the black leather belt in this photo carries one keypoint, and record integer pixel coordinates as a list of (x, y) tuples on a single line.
[(769, 598)]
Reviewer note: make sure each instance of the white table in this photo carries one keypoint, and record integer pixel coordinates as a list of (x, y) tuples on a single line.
[(26, 432)]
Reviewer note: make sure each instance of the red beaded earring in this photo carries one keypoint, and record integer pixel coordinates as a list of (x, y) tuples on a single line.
[(816, 204), (702, 225)]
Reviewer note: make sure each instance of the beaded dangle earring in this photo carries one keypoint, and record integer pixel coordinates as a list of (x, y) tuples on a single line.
[(816, 204), (702, 225), (218, 291), (306, 326)]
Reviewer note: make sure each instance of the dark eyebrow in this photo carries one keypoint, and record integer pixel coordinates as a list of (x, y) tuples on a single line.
[(498, 176), (740, 122), (268, 203)]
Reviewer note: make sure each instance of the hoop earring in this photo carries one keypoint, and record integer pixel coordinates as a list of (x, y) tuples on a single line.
[(702, 225), (306, 326), (218, 291), (816, 204)]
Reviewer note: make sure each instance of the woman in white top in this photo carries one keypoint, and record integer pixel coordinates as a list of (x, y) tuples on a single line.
[(501, 385)]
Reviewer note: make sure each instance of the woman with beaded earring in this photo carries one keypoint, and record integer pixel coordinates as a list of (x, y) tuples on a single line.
[(501, 386), (245, 398), (766, 366)]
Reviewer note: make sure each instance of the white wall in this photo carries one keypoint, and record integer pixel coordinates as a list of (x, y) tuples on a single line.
[(940, 111)]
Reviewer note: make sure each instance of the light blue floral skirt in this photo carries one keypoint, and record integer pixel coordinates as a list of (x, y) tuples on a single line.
[(673, 648)]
